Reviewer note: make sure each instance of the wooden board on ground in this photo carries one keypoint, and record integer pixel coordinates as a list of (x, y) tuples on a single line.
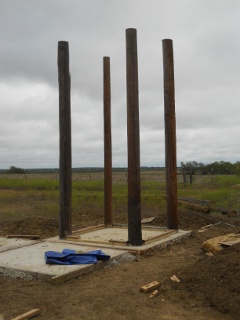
[(150, 286), (214, 245), (89, 229), (28, 315), (23, 236), (147, 220), (155, 292), (160, 236), (230, 243), (87, 240), (120, 242)]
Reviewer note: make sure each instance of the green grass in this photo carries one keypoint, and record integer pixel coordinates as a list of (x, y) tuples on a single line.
[(24, 184), (223, 190), (40, 197)]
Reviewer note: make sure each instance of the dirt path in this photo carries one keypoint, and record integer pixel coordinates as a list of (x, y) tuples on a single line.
[(209, 287)]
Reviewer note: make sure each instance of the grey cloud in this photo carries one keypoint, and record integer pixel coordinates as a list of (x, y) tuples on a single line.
[(207, 77)]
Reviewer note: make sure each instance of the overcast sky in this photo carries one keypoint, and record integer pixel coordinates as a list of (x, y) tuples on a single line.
[(206, 42)]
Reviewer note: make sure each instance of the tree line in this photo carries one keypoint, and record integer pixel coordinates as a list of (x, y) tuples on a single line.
[(221, 167), (218, 167)]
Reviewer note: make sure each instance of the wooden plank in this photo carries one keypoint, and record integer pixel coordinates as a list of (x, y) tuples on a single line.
[(147, 220), (160, 236), (73, 238), (174, 278), (155, 292), (122, 242), (23, 236), (28, 315), (229, 243), (210, 225), (150, 286), (214, 245), (87, 240), (163, 229), (89, 229)]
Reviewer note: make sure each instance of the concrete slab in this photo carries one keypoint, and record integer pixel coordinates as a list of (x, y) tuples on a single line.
[(29, 262), (25, 258)]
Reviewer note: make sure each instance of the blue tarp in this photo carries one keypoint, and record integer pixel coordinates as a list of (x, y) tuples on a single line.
[(68, 257)]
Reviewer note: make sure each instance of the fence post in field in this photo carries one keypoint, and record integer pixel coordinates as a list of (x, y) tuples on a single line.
[(65, 161), (107, 143), (184, 176), (134, 192), (191, 175), (170, 135)]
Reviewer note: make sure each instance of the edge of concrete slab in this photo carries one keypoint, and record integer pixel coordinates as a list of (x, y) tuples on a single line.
[(22, 274), (31, 275), (76, 273)]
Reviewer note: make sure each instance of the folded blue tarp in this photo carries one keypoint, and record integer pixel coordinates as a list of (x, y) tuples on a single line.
[(68, 257)]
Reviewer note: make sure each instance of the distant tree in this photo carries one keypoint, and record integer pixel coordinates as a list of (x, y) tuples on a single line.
[(193, 166), (221, 167), (237, 168), (16, 170), (217, 167)]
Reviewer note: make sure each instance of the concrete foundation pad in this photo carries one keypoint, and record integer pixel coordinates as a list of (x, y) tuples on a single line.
[(29, 262), (25, 258)]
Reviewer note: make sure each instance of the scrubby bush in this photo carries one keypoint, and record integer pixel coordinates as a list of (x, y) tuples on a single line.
[(16, 170)]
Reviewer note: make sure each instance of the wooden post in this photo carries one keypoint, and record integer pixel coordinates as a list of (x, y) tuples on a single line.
[(107, 143), (65, 161), (191, 174), (170, 135), (134, 191), (184, 176)]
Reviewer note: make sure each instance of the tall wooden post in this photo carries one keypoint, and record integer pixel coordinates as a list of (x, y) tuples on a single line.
[(170, 135), (107, 143), (134, 191), (65, 161)]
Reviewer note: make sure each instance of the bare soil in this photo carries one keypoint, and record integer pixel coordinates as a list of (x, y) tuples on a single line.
[(209, 287)]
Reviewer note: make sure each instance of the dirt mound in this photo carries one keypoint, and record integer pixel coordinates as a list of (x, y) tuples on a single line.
[(37, 226), (212, 282)]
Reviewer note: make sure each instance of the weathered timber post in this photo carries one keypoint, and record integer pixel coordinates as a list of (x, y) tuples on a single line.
[(191, 174), (107, 143), (170, 135), (134, 191), (65, 161), (184, 176)]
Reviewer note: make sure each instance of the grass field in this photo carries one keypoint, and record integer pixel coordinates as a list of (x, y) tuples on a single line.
[(38, 195)]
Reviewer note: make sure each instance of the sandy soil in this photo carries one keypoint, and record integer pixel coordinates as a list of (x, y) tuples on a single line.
[(209, 287)]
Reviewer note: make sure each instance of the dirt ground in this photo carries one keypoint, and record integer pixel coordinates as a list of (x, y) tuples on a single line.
[(209, 287)]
